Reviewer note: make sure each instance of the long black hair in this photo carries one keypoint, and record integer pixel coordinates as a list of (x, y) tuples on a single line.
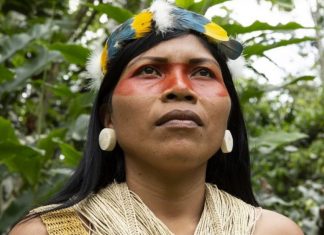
[(97, 169)]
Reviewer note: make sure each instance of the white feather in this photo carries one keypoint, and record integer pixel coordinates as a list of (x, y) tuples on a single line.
[(236, 67), (94, 69), (162, 15)]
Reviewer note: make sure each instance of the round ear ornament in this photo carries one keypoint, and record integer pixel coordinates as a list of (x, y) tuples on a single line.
[(227, 145), (107, 139)]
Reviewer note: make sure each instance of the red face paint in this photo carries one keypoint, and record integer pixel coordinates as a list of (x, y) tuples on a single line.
[(160, 78)]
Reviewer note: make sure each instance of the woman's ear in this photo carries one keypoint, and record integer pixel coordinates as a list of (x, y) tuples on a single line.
[(105, 116)]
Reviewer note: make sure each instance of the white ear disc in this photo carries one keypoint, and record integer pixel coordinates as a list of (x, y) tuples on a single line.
[(227, 145), (107, 139)]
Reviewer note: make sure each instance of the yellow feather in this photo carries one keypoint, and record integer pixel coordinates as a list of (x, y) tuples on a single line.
[(103, 59), (142, 23), (216, 32)]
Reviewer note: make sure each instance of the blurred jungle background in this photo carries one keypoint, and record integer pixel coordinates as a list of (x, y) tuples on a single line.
[(45, 103)]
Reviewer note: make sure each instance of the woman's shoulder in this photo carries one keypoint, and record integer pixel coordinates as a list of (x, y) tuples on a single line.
[(29, 227), (272, 223), (51, 221)]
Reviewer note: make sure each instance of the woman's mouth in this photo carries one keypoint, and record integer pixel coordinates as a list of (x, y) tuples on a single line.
[(180, 119)]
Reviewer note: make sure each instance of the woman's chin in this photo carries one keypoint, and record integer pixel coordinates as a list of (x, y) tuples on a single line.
[(174, 159)]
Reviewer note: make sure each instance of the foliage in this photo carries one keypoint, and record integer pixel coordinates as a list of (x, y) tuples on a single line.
[(45, 106)]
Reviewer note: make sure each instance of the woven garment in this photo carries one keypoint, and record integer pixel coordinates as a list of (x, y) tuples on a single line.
[(63, 222), (117, 210)]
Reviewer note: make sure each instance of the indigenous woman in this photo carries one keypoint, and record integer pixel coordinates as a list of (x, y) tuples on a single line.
[(167, 149)]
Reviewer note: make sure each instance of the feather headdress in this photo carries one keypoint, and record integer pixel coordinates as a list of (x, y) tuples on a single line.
[(161, 17)]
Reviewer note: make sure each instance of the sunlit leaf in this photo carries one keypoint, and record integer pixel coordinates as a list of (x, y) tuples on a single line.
[(236, 28), (259, 49), (202, 6), (74, 54), (269, 141), (294, 81), (184, 3), (114, 12), (286, 5), (302, 78)]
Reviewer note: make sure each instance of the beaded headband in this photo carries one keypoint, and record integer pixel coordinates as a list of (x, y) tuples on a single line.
[(162, 17)]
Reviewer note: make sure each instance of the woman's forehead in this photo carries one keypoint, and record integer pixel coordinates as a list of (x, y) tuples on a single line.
[(177, 50)]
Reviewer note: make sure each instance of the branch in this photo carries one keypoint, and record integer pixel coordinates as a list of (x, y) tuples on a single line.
[(85, 27), (257, 72), (76, 34)]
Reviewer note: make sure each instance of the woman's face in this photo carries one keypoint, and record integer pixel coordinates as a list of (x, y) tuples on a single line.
[(170, 107)]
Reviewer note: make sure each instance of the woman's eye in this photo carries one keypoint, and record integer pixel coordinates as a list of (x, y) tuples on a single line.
[(148, 70), (204, 73)]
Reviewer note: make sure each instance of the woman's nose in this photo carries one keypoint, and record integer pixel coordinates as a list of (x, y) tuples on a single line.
[(179, 88)]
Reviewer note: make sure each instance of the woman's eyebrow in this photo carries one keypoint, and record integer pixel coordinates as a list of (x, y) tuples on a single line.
[(203, 60), (157, 59), (150, 58)]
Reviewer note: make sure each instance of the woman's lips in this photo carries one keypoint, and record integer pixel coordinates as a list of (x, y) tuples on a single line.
[(180, 118)]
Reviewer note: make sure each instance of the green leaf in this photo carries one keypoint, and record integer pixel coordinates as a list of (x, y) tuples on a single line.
[(286, 5), (72, 53), (61, 90), (71, 155), (51, 185), (234, 29), (5, 74), (10, 45), (18, 208), (274, 200), (79, 104), (269, 141), (302, 78), (251, 91), (7, 131), (48, 144), (21, 159), (259, 49), (78, 131), (116, 13), (184, 3), (34, 66), (294, 81), (202, 6)]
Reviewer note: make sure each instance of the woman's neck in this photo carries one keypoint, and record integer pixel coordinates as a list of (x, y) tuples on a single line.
[(176, 199)]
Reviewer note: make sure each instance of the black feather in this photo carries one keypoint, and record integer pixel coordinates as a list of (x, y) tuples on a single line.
[(232, 48)]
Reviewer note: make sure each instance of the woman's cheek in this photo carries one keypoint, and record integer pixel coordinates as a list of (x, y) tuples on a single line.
[(125, 88), (210, 89), (139, 87)]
